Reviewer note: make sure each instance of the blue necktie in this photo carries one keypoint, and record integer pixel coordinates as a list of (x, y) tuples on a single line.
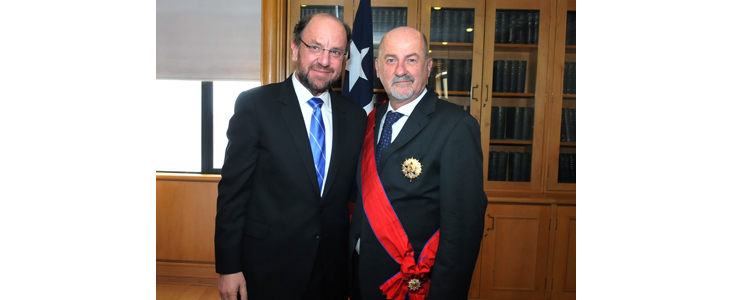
[(317, 139), (386, 137)]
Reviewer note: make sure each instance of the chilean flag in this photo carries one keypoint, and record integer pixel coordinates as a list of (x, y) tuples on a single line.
[(358, 81)]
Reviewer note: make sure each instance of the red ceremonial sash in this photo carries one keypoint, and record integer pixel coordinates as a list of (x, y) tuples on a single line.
[(388, 229)]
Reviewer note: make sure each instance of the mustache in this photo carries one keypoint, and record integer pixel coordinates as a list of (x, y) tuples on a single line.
[(318, 67), (406, 77)]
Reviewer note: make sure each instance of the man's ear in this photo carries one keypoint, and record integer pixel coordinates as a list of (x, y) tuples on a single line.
[(294, 47), (376, 66)]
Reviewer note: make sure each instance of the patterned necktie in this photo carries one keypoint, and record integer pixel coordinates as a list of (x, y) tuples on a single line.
[(386, 136), (317, 139)]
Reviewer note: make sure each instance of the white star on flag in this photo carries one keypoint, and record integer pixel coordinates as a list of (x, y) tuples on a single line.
[(354, 65)]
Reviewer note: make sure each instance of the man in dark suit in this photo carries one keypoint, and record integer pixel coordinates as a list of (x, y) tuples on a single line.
[(289, 173), (417, 225)]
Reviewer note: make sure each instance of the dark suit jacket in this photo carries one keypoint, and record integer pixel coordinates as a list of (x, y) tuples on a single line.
[(447, 195), (271, 219)]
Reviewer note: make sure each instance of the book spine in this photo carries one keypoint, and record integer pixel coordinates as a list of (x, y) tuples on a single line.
[(570, 30), (463, 20), (512, 27), (502, 166), (572, 167), (527, 123), (571, 130), (513, 76), (566, 79), (493, 165), (530, 27), (517, 173), (500, 66), (562, 169), (518, 122), (537, 27), (526, 166), (510, 122), (504, 27), (494, 117), (471, 20), (506, 77), (522, 74), (495, 79), (571, 78), (445, 33), (500, 122), (563, 127), (522, 27), (455, 25)]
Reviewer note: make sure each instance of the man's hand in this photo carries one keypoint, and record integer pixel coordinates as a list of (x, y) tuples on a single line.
[(230, 284)]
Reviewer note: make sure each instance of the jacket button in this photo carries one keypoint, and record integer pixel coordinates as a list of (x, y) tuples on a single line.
[(316, 236)]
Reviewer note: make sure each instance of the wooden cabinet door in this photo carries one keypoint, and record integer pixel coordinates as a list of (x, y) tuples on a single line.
[(514, 252), (563, 271)]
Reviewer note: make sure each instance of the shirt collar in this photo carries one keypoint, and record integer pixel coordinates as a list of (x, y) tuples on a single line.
[(409, 107)]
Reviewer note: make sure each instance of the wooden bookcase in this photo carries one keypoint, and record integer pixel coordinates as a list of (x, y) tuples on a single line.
[(528, 251)]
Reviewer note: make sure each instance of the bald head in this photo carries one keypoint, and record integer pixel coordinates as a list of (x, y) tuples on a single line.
[(405, 32)]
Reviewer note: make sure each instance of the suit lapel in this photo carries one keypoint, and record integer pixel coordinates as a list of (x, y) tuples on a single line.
[(293, 117), (415, 123)]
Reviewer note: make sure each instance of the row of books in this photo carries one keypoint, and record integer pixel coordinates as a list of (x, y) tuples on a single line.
[(509, 76), (451, 74), (568, 78), (337, 11), (451, 25), (570, 29), (567, 125), (566, 172), (510, 166), (517, 27), (511, 123), (385, 19)]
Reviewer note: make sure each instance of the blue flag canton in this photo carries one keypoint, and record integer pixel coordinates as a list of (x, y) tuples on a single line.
[(358, 80)]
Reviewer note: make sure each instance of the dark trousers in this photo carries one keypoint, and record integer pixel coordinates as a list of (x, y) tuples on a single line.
[(317, 288)]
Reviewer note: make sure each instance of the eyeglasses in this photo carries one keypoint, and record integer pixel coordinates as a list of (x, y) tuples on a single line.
[(334, 53)]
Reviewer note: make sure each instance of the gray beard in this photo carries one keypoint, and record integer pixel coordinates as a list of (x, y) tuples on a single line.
[(396, 95)]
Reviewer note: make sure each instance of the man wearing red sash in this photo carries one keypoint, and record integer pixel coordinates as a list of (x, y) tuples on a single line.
[(417, 225)]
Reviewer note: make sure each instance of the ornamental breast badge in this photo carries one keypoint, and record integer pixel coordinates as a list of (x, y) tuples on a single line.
[(413, 284), (411, 168)]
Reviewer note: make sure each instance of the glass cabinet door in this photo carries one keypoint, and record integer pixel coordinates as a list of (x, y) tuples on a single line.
[(561, 174), (455, 31), (514, 107)]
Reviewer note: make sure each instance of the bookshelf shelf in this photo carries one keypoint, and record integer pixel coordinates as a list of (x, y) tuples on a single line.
[(568, 96), (450, 45), (567, 144), (504, 47), (511, 142), (512, 95)]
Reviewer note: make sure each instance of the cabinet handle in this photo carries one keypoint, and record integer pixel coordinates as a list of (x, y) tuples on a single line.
[(472, 97), (492, 222), (487, 93)]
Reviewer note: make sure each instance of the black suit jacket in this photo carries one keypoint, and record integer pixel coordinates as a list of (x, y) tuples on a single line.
[(447, 195), (271, 219)]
